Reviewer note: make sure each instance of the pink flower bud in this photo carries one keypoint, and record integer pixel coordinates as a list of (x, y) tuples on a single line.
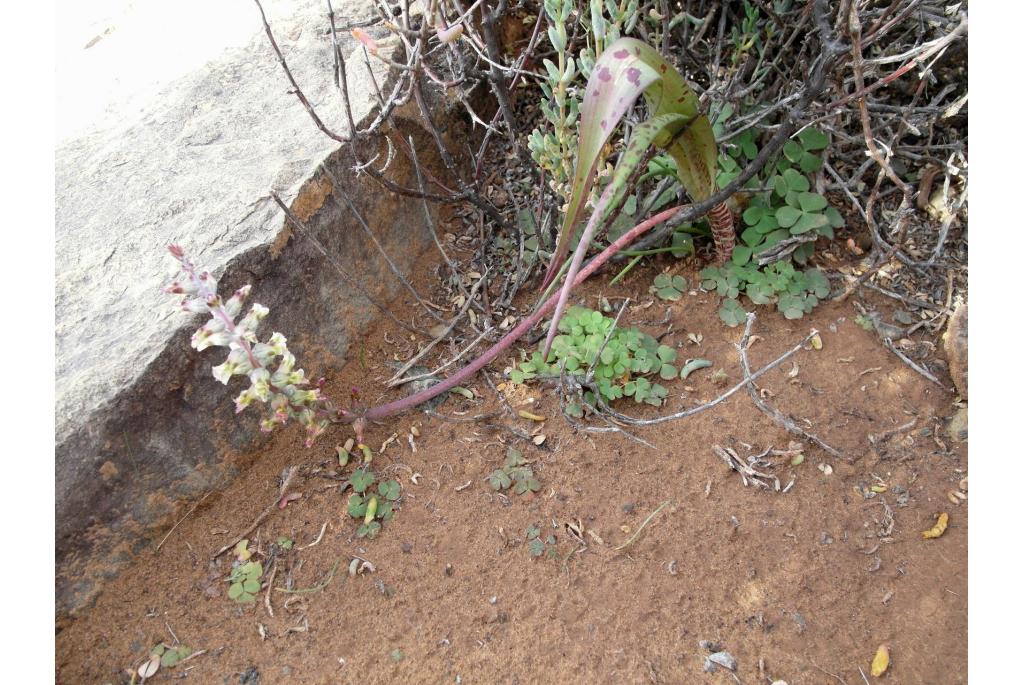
[(449, 35), (234, 305), (363, 37)]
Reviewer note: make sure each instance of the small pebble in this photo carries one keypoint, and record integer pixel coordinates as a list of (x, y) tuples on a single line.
[(628, 508), (406, 547), (724, 659)]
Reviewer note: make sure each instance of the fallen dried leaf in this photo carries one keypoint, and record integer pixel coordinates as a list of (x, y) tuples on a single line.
[(816, 341), (149, 669), (939, 528), (880, 663)]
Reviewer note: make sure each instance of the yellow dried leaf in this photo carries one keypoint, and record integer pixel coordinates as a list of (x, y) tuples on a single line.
[(528, 415), (881, 661), (939, 528), (816, 341)]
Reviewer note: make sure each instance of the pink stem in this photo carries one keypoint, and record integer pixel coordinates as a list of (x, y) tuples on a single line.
[(574, 267), (525, 325)]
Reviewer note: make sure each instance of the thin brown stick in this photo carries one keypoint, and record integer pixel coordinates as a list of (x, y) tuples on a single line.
[(187, 514), (295, 86), (864, 90)]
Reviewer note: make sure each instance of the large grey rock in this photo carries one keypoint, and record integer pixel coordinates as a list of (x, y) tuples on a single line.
[(142, 428)]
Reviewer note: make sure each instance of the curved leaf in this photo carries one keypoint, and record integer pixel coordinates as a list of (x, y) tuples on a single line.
[(617, 80), (627, 68)]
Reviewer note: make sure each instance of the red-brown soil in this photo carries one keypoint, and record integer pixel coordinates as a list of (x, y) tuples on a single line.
[(806, 584)]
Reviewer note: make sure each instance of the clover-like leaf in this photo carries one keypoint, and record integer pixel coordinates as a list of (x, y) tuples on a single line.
[(536, 547), (808, 222), (812, 139), (527, 485), (235, 590), (732, 313), (777, 184), (810, 163), (812, 202), (787, 216), (753, 214), (669, 287), (361, 480), (514, 457), (751, 236), (390, 489), (499, 480), (356, 506), (682, 244), (817, 283), (741, 254), (791, 306), (795, 181), (666, 353), (793, 151), (759, 293), (368, 530)]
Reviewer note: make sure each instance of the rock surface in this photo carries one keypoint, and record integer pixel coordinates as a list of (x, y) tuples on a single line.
[(142, 428)]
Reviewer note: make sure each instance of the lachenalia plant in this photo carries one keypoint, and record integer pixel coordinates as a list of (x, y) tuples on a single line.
[(626, 70)]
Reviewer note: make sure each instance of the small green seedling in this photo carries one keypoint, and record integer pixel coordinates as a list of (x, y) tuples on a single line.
[(171, 656), (864, 322), (285, 543), (539, 547), (245, 582), (669, 287), (516, 470), (372, 507)]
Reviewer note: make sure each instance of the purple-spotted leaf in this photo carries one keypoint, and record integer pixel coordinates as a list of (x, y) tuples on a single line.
[(616, 81), (625, 70)]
